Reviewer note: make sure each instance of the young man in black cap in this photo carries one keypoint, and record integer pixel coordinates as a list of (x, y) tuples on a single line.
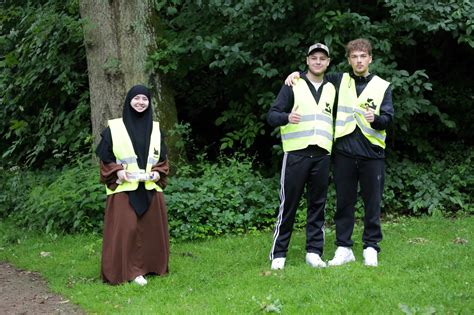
[(304, 114)]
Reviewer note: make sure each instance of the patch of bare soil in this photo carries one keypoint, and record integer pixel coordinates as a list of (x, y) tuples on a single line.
[(25, 292)]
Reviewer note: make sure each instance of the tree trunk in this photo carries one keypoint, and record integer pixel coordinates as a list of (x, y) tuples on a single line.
[(118, 36)]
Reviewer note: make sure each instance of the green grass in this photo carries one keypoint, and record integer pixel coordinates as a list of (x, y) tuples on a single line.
[(425, 267)]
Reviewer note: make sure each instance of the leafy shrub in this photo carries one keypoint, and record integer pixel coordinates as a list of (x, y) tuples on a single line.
[(73, 202), (230, 196), (213, 199), (441, 186), (16, 186)]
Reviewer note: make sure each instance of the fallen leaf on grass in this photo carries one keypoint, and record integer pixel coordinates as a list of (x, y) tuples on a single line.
[(266, 273), (187, 254), (45, 254), (459, 240), (409, 310), (418, 240)]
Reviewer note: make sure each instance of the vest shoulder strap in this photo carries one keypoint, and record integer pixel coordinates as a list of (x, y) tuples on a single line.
[(378, 81)]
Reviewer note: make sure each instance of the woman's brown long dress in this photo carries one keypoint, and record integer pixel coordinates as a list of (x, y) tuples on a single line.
[(133, 245)]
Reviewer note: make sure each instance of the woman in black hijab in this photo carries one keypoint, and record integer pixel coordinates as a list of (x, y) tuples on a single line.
[(136, 238)]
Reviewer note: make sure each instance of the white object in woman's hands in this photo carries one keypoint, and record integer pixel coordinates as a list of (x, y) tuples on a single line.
[(142, 176), (139, 176)]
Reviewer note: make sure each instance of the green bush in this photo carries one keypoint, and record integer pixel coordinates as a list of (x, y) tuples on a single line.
[(73, 202), (440, 186), (226, 197), (16, 186)]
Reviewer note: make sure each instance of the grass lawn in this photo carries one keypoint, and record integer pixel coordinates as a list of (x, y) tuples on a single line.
[(425, 267)]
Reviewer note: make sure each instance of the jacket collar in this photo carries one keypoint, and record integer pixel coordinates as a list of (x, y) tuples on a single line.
[(361, 80)]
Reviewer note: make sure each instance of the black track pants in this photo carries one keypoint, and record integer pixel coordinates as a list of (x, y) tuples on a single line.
[(297, 173), (349, 172)]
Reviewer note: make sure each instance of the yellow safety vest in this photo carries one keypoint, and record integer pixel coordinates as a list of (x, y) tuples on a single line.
[(125, 154), (350, 108), (316, 125)]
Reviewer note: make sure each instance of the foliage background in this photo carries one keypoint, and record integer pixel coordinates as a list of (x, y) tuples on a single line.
[(44, 99), (226, 72), (225, 197), (231, 68)]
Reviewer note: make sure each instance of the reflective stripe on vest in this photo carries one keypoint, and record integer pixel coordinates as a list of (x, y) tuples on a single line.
[(316, 125), (125, 154), (350, 108)]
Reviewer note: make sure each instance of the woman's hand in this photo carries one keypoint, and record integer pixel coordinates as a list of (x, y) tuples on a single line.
[(122, 176)]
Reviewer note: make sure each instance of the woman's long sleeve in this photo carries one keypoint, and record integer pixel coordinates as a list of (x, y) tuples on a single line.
[(163, 168)]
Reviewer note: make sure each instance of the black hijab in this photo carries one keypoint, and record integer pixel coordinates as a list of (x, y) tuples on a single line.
[(139, 127)]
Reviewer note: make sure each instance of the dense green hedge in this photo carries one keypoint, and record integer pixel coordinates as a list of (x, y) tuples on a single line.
[(69, 200), (438, 186), (225, 197), (229, 196)]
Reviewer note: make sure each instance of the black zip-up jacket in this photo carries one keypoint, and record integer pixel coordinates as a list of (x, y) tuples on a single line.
[(281, 109)]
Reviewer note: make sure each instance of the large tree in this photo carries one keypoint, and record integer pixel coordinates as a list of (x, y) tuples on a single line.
[(119, 35)]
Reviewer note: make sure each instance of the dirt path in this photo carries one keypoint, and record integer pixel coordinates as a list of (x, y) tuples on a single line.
[(25, 292)]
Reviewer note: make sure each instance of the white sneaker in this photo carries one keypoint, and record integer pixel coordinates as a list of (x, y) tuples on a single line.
[(342, 256), (314, 260), (278, 263), (140, 280), (370, 257)]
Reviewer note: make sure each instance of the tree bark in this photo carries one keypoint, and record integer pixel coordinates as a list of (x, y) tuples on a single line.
[(118, 36)]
